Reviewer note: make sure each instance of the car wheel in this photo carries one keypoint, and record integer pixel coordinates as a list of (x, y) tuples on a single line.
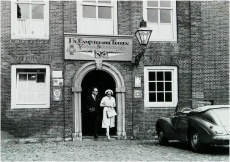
[(195, 143), (162, 139)]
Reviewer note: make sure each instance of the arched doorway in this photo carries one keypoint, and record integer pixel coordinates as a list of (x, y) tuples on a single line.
[(103, 81), (77, 95)]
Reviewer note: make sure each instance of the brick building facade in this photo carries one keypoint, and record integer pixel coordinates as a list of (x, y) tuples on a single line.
[(200, 55)]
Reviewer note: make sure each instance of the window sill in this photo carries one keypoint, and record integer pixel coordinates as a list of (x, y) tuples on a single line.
[(160, 108), (163, 40), (159, 105), (24, 106), (30, 107), (29, 38), (26, 110)]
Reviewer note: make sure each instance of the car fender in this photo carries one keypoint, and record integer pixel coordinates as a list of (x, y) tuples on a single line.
[(166, 126), (202, 128)]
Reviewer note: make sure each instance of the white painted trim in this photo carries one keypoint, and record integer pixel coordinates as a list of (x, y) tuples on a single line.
[(174, 22), (120, 95), (114, 15), (115, 28), (98, 35), (174, 86), (14, 68), (14, 35), (47, 18), (79, 14)]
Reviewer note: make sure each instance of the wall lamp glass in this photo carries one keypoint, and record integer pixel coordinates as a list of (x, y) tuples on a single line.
[(142, 34)]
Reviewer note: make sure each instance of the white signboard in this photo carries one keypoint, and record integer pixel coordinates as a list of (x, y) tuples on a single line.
[(57, 74), (137, 81), (57, 82), (91, 47)]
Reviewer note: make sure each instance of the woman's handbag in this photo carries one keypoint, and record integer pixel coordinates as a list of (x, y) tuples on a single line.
[(111, 113)]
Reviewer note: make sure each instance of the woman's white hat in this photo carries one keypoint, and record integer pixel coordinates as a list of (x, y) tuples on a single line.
[(108, 90)]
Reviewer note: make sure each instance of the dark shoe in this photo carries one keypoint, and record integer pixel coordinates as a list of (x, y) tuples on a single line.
[(95, 136)]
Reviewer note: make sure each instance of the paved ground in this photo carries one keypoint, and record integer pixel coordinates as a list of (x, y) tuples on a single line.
[(108, 151)]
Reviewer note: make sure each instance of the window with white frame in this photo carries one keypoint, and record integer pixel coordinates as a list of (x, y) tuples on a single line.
[(160, 86), (30, 19), (30, 86), (161, 18), (97, 17)]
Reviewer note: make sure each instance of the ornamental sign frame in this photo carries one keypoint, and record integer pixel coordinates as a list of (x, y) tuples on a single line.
[(103, 47), (57, 94)]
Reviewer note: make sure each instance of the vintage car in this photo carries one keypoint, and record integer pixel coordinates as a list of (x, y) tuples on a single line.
[(198, 122)]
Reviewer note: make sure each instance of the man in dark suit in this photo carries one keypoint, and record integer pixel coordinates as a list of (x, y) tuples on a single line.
[(93, 106)]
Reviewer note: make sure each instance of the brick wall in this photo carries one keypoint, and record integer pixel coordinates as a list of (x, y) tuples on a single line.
[(215, 31), (162, 54), (71, 67), (201, 54), (196, 50), (32, 122)]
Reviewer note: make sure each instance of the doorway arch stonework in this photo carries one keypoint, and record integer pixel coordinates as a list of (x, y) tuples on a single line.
[(77, 89)]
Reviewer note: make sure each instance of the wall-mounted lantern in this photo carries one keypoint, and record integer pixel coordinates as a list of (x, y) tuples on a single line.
[(143, 34)]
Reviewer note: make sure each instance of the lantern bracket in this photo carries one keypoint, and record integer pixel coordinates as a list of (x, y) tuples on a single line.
[(138, 57)]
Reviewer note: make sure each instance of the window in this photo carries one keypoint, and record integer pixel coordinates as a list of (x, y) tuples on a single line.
[(30, 86), (97, 17), (29, 19), (161, 18), (160, 86)]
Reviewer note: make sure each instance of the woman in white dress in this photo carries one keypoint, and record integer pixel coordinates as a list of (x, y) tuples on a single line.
[(108, 102)]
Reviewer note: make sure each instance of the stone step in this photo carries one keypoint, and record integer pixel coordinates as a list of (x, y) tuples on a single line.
[(100, 138)]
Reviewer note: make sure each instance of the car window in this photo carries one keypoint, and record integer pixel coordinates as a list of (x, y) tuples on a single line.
[(201, 104), (184, 105)]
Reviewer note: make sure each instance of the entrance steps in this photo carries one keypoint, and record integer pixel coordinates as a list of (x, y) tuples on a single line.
[(100, 138)]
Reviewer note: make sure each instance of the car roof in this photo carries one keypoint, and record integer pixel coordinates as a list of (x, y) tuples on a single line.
[(196, 99), (199, 99), (208, 107)]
